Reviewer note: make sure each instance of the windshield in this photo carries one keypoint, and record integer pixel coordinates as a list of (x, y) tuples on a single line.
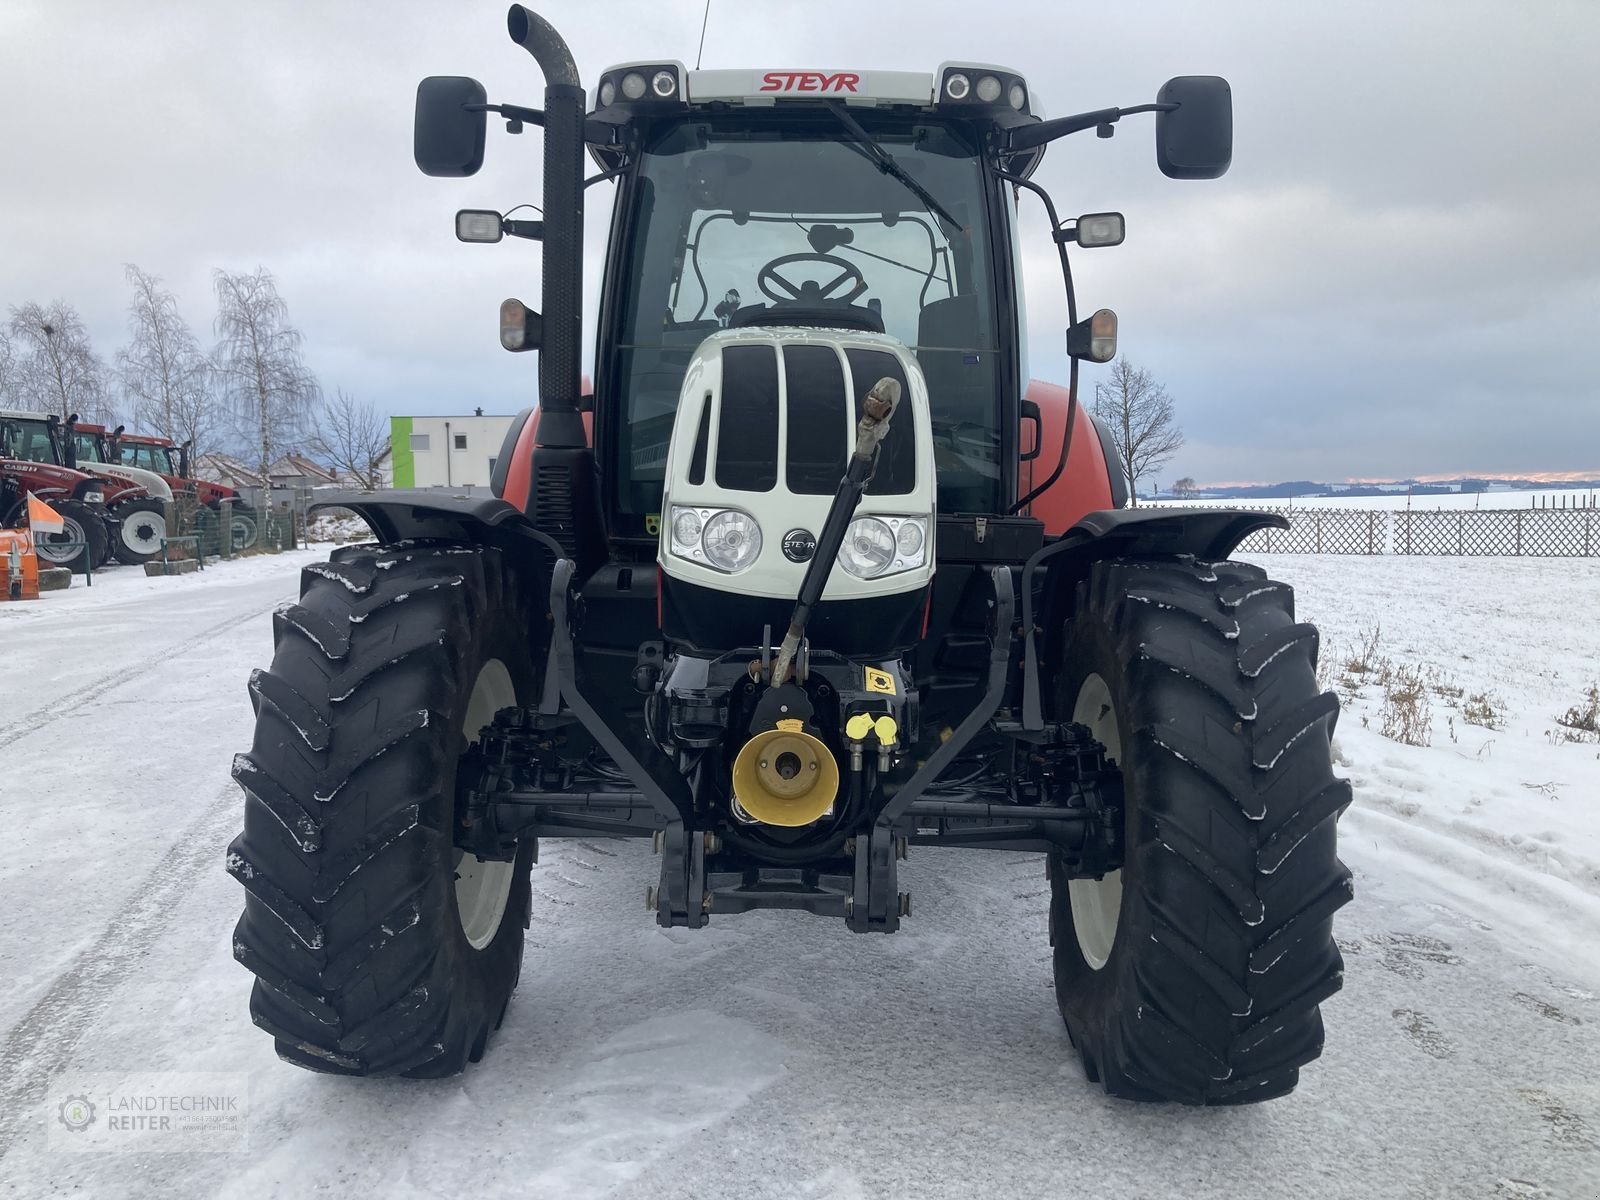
[(88, 447), (716, 212), (26, 439), (147, 457)]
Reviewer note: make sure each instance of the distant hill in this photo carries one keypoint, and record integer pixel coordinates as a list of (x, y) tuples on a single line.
[(1305, 488)]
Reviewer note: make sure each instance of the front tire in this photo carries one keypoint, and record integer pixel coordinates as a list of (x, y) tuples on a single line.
[(377, 948), (1195, 973), (140, 530), (81, 544)]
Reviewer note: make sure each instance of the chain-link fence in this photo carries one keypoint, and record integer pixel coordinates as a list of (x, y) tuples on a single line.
[(230, 529), (1525, 532)]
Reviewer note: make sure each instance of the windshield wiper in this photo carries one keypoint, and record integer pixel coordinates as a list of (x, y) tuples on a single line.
[(887, 163)]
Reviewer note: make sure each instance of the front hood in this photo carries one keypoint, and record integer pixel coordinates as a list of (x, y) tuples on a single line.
[(148, 480), (43, 479)]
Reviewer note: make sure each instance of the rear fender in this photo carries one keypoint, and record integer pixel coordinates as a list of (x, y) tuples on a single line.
[(1050, 579)]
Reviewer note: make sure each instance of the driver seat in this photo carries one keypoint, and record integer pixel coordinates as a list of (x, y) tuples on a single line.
[(818, 315)]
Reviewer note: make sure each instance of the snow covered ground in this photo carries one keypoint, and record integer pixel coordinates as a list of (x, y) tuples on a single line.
[(776, 1055)]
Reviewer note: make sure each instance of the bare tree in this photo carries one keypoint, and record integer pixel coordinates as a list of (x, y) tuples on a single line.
[(1185, 488), (57, 369), (8, 370), (263, 378), (353, 439), (1138, 412), (164, 375)]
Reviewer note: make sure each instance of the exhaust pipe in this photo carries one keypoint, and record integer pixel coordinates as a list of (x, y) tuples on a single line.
[(561, 354)]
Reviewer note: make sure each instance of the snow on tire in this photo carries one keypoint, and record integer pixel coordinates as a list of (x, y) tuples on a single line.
[(376, 950), (1196, 974)]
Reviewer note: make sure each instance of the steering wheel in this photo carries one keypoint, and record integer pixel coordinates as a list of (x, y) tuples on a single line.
[(781, 291)]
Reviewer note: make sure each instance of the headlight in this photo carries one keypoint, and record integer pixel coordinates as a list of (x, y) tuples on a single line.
[(686, 526), (868, 549), (725, 539), (875, 546), (94, 496), (633, 85), (731, 540)]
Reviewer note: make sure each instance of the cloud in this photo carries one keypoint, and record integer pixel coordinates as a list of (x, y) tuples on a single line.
[(1398, 275)]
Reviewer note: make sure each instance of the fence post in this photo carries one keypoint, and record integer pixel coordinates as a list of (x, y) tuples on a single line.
[(1518, 550), (1316, 531), (1461, 523)]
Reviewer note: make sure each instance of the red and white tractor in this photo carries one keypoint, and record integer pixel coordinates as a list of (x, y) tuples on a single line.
[(831, 582)]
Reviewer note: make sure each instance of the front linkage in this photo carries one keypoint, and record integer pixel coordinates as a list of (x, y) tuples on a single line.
[(558, 769)]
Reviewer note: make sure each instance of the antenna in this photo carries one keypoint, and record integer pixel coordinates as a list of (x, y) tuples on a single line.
[(704, 21)]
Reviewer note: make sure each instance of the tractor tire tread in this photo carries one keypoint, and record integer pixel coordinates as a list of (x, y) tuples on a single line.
[(349, 926), (1232, 878)]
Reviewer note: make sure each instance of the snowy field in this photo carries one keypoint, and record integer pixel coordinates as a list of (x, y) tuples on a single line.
[(777, 1055)]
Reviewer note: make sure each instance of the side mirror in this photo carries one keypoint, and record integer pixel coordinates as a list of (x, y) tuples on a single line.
[(448, 136), (1195, 139)]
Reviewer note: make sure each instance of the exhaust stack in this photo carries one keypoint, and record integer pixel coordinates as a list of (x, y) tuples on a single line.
[(560, 355)]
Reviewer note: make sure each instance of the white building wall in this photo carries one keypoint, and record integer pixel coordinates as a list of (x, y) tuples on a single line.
[(456, 451)]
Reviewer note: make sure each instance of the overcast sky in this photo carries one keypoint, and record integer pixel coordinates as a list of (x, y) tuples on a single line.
[(1399, 276)]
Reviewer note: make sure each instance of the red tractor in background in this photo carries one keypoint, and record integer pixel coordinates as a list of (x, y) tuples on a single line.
[(141, 522), (821, 581), (109, 510), (173, 462)]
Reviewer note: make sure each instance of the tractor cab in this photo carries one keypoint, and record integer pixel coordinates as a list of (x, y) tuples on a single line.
[(823, 199), (153, 454)]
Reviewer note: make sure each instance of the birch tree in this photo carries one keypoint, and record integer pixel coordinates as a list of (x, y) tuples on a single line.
[(56, 368), (1139, 413), (163, 372), (8, 371), (353, 438), (261, 373)]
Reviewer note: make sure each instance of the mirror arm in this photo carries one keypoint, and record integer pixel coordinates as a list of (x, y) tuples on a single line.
[(1027, 137), (512, 112)]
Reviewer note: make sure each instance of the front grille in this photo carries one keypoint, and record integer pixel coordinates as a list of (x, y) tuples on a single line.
[(747, 420), (818, 420)]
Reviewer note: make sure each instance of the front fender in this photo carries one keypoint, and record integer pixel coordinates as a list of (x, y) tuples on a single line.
[(1207, 534), (406, 513)]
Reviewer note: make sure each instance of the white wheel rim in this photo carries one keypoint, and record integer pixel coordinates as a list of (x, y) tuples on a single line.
[(482, 888), (143, 531), (1097, 903)]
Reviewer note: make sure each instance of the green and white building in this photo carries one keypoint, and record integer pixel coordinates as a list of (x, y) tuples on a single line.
[(446, 452)]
